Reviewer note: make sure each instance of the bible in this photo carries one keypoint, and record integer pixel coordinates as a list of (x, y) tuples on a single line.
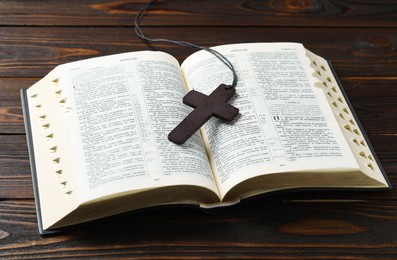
[(97, 133)]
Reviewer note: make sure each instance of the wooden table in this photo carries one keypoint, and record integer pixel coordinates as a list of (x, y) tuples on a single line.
[(360, 37)]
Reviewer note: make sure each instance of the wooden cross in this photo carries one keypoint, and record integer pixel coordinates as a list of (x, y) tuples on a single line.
[(205, 107)]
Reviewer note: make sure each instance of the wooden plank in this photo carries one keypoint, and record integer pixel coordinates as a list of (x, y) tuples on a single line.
[(370, 90), (28, 52), (359, 36), (331, 13), (259, 229), (11, 118), (15, 177), (375, 120)]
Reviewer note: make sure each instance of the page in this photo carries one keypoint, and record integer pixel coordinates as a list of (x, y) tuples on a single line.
[(284, 122), (348, 121), (55, 193), (123, 107)]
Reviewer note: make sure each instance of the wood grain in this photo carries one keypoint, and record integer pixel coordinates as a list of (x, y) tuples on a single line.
[(33, 52), (259, 229), (359, 37), (312, 13)]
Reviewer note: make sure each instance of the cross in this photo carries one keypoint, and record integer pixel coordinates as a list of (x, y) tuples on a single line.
[(205, 107)]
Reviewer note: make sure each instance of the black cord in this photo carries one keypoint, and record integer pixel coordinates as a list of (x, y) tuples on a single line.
[(141, 35)]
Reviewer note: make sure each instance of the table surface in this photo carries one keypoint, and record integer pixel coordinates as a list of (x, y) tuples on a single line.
[(360, 37)]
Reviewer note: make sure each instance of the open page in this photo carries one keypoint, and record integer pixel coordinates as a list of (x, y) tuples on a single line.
[(121, 108), (285, 123), (348, 121)]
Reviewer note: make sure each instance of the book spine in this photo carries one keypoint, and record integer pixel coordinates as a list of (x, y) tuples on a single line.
[(219, 204)]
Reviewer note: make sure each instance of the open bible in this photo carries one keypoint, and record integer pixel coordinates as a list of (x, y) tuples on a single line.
[(97, 132)]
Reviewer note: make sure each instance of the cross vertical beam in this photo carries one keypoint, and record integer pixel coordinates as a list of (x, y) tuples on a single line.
[(205, 107)]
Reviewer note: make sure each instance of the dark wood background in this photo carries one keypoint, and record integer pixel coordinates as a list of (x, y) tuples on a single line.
[(359, 36)]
